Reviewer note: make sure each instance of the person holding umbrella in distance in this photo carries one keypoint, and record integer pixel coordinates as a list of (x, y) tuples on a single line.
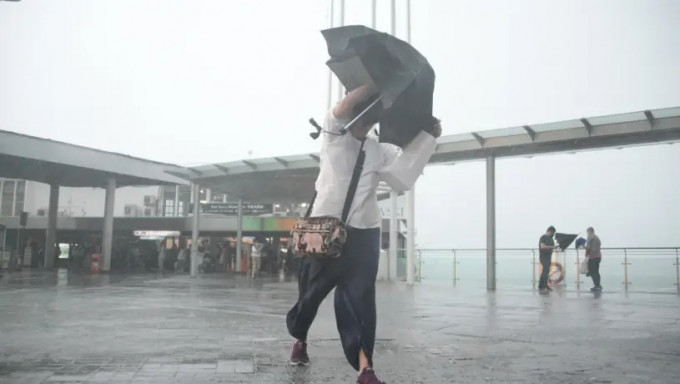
[(346, 189)]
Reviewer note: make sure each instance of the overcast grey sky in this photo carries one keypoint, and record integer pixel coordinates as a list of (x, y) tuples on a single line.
[(194, 82)]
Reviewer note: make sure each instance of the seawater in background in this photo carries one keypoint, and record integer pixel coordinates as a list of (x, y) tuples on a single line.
[(649, 270)]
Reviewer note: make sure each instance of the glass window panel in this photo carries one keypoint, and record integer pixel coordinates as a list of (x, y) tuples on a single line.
[(263, 161), (296, 158), (460, 137), (666, 112), (21, 191), (560, 125), (7, 200), (514, 131), (615, 119)]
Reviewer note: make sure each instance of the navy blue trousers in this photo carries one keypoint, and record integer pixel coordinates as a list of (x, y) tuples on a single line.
[(353, 277)]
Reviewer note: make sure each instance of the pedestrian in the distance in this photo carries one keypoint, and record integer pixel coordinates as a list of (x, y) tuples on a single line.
[(594, 255), (256, 258), (546, 246)]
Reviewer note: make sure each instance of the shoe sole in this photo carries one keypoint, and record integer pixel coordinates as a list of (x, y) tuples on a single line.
[(298, 364)]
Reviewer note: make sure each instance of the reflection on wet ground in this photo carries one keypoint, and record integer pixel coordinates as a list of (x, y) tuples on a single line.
[(60, 327)]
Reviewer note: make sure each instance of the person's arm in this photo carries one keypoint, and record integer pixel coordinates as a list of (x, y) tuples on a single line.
[(345, 108), (589, 247), (390, 152), (543, 245)]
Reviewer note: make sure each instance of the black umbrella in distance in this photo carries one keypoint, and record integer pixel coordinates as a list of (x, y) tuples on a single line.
[(564, 240)]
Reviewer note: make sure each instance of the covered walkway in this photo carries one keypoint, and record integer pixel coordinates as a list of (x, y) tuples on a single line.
[(291, 178), (61, 164)]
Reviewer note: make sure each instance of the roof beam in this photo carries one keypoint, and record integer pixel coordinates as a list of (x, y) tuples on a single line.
[(651, 120), (315, 157), (222, 168), (588, 126), (479, 138), (530, 132), (281, 161), (250, 164)]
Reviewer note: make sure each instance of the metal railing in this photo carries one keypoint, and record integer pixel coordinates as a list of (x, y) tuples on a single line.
[(631, 268)]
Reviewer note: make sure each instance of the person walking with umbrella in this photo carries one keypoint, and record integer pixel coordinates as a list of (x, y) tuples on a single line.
[(390, 82), (352, 274)]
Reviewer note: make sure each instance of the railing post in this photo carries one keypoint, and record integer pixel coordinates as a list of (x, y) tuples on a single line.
[(677, 270), (533, 269), (420, 266), (625, 269), (578, 271), (455, 262), (564, 262)]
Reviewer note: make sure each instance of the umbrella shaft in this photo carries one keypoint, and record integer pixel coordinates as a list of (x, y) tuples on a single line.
[(350, 125)]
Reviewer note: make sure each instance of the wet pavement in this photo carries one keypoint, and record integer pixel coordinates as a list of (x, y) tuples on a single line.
[(56, 328)]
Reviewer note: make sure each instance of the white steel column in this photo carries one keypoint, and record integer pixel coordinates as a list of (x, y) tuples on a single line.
[(373, 14), (107, 236), (14, 198), (195, 190), (239, 236), (51, 232), (393, 18), (408, 21), (341, 88), (411, 234), (394, 237), (330, 73), (410, 195), (491, 223), (176, 201)]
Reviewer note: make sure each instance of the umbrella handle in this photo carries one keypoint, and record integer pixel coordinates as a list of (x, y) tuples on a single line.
[(348, 127), (315, 135)]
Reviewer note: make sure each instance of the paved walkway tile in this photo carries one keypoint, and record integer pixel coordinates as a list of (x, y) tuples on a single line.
[(60, 328)]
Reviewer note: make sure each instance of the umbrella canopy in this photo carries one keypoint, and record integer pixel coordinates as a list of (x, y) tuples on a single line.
[(360, 55), (564, 240)]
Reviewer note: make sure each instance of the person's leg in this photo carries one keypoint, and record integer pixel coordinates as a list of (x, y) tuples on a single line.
[(257, 263), (355, 311), (596, 274), (592, 270), (316, 279), (545, 271)]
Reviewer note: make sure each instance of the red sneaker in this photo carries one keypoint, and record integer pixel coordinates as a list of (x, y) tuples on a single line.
[(367, 376), (299, 355)]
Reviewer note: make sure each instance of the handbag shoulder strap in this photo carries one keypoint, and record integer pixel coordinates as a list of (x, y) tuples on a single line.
[(311, 204), (352, 190), (353, 184)]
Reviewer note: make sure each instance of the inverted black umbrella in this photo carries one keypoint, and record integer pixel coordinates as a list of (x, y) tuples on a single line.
[(564, 240), (360, 55)]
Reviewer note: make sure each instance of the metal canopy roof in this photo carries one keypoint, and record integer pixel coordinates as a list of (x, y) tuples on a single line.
[(291, 178), (628, 129), (47, 161)]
